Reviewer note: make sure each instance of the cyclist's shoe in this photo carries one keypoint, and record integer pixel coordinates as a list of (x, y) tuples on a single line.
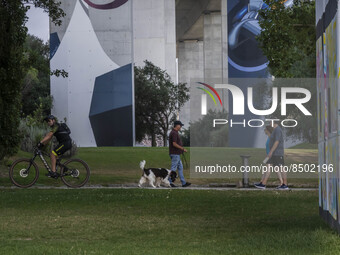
[(52, 174)]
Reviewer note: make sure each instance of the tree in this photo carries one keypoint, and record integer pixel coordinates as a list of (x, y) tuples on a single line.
[(288, 37), (202, 135), (158, 100), (12, 69), (287, 40), (36, 83)]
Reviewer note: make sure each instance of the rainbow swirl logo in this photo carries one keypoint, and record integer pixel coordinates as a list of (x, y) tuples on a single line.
[(209, 93)]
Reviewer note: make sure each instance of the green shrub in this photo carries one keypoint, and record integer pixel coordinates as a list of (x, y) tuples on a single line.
[(31, 134), (203, 134), (219, 137)]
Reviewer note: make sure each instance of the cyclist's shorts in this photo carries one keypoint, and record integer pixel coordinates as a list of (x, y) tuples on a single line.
[(61, 148)]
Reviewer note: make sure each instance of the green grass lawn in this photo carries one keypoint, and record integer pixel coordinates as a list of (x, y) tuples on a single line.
[(119, 165), (144, 221), (305, 146)]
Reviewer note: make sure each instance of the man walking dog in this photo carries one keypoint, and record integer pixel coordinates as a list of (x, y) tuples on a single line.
[(175, 150)]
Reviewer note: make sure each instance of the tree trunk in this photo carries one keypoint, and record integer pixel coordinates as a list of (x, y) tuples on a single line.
[(165, 136), (165, 140), (153, 140)]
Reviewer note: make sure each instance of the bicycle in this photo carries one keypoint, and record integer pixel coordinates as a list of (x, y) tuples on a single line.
[(24, 172)]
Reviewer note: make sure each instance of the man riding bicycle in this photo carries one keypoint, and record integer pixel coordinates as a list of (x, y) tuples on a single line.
[(62, 133)]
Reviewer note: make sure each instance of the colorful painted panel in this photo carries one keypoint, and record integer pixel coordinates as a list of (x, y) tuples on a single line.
[(332, 156), (322, 187), (332, 75), (320, 91), (327, 67)]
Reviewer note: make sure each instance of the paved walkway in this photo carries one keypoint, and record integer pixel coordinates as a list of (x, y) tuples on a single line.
[(134, 186)]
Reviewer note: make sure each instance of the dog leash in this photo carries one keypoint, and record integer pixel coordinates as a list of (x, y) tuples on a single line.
[(185, 160)]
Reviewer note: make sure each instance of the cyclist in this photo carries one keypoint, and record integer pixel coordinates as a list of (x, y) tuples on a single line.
[(62, 133)]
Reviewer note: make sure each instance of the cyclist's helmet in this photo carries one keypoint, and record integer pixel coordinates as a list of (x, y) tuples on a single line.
[(49, 117)]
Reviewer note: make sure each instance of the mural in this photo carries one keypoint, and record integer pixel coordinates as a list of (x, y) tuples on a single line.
[(332, 153), (332, 74), (245, 60), (320, 82), (322, 191), (327, 66), (94, 45)]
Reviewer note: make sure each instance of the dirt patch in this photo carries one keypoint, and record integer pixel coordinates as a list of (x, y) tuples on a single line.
[(303, 157)]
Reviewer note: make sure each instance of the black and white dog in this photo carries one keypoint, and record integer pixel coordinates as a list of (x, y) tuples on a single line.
[(156, 176)]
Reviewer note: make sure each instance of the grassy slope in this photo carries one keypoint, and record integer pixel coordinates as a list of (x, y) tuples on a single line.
[(110, 165), (162, 222)]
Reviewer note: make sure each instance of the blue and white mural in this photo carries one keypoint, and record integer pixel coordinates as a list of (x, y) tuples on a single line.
[(94, 45), (245, 60)]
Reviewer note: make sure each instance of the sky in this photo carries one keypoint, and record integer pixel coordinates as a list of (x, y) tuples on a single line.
[(38, 23)]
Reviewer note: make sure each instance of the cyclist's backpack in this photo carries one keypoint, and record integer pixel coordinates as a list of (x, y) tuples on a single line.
[(66, 128)]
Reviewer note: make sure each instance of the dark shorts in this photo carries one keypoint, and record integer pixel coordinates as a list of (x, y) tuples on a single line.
[(277, 161), (270, 161), (61, 148)]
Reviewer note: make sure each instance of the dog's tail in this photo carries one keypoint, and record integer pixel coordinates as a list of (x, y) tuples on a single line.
[(142, 164)]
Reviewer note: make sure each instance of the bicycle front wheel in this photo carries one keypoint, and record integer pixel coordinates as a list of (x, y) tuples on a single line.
[(24, 173), (75, 173)]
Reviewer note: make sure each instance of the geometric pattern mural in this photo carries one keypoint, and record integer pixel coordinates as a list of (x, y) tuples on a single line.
[(94, 45), (111, 108), (54, 44)]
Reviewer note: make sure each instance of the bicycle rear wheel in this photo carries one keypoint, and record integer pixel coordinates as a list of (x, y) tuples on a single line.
[(24, 173), (75, 173)]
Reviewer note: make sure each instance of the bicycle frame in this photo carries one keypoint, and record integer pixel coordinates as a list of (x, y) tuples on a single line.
[(41, 155)]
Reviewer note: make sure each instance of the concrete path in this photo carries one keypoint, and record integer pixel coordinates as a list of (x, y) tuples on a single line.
[(134, 186)]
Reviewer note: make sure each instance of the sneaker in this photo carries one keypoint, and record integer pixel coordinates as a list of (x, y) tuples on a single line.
[(257, 183), (52, 174), (283, 187), (186, 184), (260, 185), (173, 185)]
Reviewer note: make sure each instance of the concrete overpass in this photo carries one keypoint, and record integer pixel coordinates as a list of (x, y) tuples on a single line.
[(190, 17), (201, 40)]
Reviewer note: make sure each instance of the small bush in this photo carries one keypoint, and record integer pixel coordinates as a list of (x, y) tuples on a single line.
[(32, 135), (219, 137), (203, 134), (185, 136)]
